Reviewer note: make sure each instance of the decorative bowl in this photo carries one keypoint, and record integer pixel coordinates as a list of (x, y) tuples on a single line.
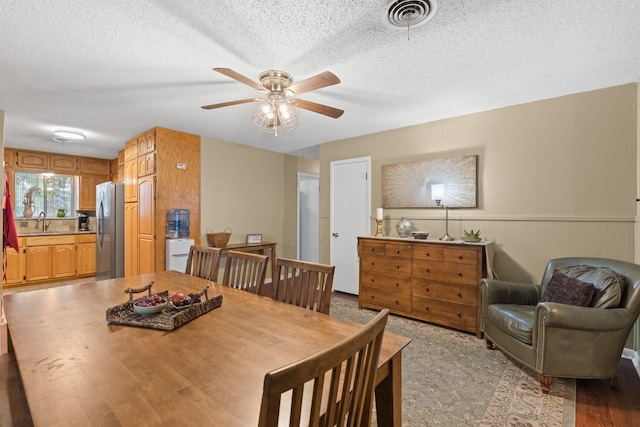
[(146, 311), (420, 234), (470, 240)]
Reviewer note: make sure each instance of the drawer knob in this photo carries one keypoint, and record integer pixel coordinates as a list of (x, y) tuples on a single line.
[(373, 249), (427, 254), (460, 294), (397, 251), (397, 285), (426, 289), (373, 297), (458, 314), (427, 270), (427, 308), (459, 256), (460, 273), (373, 263), (397, 302), (397, 265), (373, 280)]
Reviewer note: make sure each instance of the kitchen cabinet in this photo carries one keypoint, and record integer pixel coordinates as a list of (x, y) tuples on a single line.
[(147, 164), (63, 261), (167, 170), (94, 166), (131, 180), (15, 266), (435, 281), (38, 263), (131, 149), (50, 257), (88, 190), (32, 160), (62, 163), (131, 239), (86, 254)]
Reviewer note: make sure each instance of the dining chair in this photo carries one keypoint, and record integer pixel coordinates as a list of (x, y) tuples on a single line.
[(305, 284), (245, 270), (203, 261), (329, 388)]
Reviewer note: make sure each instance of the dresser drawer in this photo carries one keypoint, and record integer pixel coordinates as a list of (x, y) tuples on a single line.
[(445, 313), (462, 256), (386, 282), (446, 272), (398, 250), (392, 265), (433, 253), (379, 298), (459, 294), (369, 247)]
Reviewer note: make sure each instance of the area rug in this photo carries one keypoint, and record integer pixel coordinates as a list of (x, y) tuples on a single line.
[(450, 378)]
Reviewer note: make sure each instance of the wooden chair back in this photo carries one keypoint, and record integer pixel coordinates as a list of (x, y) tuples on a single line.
[(245, 270), (203, 262), (305, 284), (331, 388)]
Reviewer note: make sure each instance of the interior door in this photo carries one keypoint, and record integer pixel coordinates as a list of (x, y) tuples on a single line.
[(308, 217), (349, 209)]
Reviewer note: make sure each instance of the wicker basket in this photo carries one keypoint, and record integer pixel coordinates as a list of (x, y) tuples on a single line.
[(218, 240)]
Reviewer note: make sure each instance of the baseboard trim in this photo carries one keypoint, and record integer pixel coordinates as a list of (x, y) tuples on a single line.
[(634, 356)]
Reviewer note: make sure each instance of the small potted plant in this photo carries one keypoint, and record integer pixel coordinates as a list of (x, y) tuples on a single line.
[(471, 236)]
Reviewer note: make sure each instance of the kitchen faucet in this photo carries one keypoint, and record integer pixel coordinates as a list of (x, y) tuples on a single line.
[(45, 224)]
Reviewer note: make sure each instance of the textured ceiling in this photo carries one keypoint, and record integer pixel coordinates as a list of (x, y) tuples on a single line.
[(115, 68)]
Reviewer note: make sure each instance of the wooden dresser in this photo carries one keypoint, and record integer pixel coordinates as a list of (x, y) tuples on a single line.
[(424, 279)]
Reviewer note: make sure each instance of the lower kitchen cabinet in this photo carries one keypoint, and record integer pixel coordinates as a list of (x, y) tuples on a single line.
[(14, 272), (51, 257), (86, 254)]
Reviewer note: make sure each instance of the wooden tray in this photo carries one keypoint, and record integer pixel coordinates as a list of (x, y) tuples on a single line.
[(168, 319)]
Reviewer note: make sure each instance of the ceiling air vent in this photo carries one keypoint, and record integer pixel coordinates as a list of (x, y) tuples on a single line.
[(405, 14)]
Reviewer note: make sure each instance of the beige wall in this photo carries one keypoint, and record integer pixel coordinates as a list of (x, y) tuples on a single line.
[(555, 177), (242, 188)]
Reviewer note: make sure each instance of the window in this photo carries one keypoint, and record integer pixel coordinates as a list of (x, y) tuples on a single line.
[(43, 193)]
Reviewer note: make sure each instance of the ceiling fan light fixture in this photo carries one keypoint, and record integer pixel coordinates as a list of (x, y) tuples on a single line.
[(66, 134), (275, 112)]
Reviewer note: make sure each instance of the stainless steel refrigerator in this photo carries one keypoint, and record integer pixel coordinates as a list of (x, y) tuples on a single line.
[(109, 230)]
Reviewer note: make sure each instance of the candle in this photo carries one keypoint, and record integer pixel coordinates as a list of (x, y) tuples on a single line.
[(379, 214)]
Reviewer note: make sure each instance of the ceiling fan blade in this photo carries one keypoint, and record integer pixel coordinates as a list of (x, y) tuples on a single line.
[(319, 108), (227, 104), (239, 77), (316, 82)]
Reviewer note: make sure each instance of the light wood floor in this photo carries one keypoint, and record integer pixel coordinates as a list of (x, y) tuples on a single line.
[(597, 404)]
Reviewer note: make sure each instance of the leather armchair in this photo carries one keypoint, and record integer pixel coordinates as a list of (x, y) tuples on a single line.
[(560, 340)]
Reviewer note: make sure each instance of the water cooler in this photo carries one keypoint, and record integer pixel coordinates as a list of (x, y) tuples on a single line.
[(178, 242), (177, 253)]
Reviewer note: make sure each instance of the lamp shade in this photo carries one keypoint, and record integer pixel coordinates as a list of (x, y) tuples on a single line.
[(437, 192)]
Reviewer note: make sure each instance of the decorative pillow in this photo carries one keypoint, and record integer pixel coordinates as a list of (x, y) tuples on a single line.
[(609, 285), (567, 290)]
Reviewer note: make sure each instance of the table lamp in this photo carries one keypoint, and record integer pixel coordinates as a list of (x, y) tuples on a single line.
[(437, 194)]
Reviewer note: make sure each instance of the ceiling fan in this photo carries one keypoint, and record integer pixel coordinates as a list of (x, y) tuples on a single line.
[(276, 107)]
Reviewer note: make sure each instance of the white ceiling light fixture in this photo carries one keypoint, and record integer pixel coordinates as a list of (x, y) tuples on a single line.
[(401, 14), (68, 135), (277, 108)]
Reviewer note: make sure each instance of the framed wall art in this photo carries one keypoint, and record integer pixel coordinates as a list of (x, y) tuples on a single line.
[(409, 185)]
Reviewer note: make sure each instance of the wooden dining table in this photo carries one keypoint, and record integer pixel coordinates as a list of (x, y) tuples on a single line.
[(77, 369)]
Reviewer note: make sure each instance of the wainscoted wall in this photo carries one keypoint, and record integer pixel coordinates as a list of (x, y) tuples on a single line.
[(556, 177)]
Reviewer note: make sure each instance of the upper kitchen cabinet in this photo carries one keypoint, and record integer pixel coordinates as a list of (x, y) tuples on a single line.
[(32, 160), (62, 163), (147, 143), (93, 166)]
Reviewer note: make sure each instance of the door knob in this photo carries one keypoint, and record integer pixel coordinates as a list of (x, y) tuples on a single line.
[(335, 234)]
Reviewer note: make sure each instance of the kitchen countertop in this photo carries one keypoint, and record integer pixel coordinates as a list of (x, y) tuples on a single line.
[(54, 233)]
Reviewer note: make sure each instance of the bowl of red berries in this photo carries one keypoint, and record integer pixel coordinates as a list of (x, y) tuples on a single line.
[(149, 304)]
